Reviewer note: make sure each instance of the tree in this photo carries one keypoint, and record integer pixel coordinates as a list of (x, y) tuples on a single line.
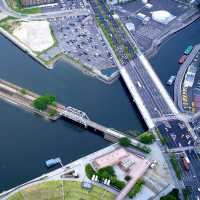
[(147, 138), (117, 183), (168, 197), (42, 102), (106, 172), (89, 171), (124, 141), (173, 195)]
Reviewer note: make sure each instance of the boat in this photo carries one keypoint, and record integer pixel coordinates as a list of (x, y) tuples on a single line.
[(182, 59), (52, 162), (188, 50), (171, 80)]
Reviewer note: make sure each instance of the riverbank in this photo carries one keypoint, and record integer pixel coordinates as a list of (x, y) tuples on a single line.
[(178, 90), (179, 24), (86, 69)]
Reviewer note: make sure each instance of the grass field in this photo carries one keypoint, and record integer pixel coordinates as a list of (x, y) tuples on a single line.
[(9, 24), (52, 190)]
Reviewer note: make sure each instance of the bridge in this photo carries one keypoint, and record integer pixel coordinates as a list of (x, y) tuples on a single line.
[(81, 117), (147, 90), (13, 94)]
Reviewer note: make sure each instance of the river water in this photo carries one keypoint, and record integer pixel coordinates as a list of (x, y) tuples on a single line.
[(28, 140)]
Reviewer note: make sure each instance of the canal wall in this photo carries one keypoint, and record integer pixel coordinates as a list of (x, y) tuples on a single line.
[(179, 24), (23, 47), (86, 69)]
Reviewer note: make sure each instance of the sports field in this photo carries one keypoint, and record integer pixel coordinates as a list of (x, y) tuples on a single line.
[(53, 190)]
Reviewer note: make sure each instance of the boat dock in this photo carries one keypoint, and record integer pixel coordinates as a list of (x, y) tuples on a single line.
[(24, 98)]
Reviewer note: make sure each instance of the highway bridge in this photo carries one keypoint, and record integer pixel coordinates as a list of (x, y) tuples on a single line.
[(147, 90), (142, 82)]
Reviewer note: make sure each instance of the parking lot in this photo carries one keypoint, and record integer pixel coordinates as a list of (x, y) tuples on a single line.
[(65, 5), (79, 38), (146, 28)]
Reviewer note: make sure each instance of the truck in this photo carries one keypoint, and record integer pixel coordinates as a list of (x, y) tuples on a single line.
[(186, 162)]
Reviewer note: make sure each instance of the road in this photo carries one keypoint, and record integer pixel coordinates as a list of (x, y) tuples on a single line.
[(42, 16)]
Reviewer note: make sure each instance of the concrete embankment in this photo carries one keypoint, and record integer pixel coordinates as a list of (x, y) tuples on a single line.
[(23, 47), (180, 23), (23, 98), (89, 70), (180, 78)]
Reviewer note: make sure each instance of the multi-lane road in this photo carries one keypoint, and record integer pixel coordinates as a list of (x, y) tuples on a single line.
[(155, 101)]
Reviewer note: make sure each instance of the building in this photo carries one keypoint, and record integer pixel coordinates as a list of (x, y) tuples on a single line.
[(32, 3), (113, 2)]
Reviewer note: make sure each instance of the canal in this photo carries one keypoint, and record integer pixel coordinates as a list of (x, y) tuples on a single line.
[(28, 140)]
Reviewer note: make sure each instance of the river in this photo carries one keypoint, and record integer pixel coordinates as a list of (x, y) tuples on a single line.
[(28, 140)]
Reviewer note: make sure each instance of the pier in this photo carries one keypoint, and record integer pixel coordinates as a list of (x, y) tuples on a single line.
[(24, 98)]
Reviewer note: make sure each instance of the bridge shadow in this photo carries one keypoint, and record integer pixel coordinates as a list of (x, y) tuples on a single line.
[(135, 108)]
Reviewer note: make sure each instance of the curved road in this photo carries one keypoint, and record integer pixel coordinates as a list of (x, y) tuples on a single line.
[(40, 16)]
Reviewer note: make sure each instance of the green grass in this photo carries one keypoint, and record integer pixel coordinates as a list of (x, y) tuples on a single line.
[(175, 166), (16, 6), (33, 10), (52, 190), (9, 24)]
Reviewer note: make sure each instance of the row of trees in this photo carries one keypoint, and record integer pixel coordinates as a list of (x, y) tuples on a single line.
[(136, 188), (173, 195), (126, 142)]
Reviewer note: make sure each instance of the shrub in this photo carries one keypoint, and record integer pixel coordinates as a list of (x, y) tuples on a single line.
[(124, 141), (127, 178), (89, 171), (52, 112), (23, 91), (186, 193), (136, 188), (142, 148), (117, 183), (173, 195)]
